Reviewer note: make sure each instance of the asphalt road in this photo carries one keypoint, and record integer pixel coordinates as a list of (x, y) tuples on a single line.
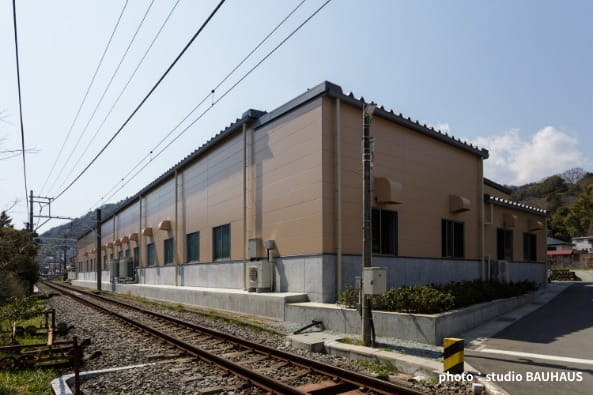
[(549, 351)]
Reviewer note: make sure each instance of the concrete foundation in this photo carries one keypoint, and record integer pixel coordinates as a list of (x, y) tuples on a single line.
[(424, 328), (265, 305)]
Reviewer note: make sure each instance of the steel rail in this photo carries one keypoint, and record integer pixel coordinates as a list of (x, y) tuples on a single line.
[(254, 378), (354, 379)]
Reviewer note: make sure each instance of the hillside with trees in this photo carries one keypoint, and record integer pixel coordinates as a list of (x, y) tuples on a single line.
[(568, 197)]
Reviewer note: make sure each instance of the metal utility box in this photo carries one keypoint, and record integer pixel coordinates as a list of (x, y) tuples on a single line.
[(374, 280), (255, 249), (260, 276)]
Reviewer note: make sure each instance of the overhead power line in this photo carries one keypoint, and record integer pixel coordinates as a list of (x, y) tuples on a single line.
[(150, 92), (216, 101), (111, 79), (229, 74), (88, 89), (124, 88), (18, 80)]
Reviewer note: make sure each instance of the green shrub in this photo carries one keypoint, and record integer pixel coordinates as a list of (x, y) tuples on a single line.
[(467, 293), (414, 299), (349, 297)]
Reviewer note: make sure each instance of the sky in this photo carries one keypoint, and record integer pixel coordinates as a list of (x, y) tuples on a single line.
[(513, 77)]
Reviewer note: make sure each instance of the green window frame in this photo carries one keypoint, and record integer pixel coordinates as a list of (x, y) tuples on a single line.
[(221, 242), (384, 230), (504, 244), (193, 247), (150, 255), (169, 251), (529, 247), (136, 256), (452, 239)]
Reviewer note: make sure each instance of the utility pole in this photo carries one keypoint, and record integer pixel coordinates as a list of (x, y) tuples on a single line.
[(367, 249), (31, 212), (98, 261), (65, 256)]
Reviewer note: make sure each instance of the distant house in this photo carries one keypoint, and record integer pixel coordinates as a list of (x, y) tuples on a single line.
[(560, 252), (583, 244), (558, 245)]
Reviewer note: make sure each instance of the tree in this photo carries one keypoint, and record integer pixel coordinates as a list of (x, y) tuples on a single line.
[(557, 224), (18, 268), (5, 220), (579, 220), (574, 175)]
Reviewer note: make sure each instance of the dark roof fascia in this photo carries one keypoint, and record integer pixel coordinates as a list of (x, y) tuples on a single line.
[(514, 205), (323, 89), (414, 125), (551, 241), (248, 117), (497, 186), (329, 89)]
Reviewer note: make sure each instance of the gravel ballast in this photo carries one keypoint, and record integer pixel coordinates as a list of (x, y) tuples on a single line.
[(115, 345)]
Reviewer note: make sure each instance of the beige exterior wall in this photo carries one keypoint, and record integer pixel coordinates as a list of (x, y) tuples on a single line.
[(85, 254), (292, 191), (495, 192), (429, 171), (495, 220)]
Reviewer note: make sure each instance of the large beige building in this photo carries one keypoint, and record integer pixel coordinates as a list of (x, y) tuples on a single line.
[(291, 180)]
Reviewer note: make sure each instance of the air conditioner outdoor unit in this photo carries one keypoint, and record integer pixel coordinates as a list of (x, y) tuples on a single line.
[(500, 271), (260, 276)]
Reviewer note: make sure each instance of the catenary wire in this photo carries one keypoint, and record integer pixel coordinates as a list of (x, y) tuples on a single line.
[(221, 97), (88, 89), (207, 96), (18, 80), (125, 86), (112, 78), (150, 92)]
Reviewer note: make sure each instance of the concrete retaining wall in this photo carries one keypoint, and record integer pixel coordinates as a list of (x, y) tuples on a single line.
[(424, 328), (266, 305)]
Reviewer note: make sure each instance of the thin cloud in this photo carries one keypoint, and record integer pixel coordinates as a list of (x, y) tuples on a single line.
[(516, 161)]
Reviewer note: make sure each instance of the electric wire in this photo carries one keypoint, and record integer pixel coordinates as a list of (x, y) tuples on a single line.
[(125, 86), (228, 75), (150, 92), (88, 89), (112, 78), (221, 97), (18, 81)]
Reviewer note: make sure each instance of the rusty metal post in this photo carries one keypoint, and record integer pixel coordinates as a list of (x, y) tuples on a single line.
[(76, 363)]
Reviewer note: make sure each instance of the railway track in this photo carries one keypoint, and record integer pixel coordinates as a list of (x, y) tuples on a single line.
[(262, 367)]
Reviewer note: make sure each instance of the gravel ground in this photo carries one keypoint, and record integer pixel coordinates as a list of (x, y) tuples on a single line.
[(118, 348)]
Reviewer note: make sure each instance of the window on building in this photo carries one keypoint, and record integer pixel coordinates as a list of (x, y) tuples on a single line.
[(193, 247), (529, 247), (128, 252), (136, 256), (221, 242), (169, 251), (452, 239), (120, 255), (150, 256), (504, 244), (104, 262), (384, 224)]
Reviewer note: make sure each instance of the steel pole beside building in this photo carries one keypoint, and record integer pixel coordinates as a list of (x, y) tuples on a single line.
[(98, 262), (367, 250)]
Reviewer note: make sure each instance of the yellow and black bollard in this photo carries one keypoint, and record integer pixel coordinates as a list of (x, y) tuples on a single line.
[(453, 355)]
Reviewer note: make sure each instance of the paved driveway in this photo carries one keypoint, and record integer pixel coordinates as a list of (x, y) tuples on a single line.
[(552, 347)]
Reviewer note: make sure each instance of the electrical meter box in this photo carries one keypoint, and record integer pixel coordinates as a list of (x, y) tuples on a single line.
[(374, 280)]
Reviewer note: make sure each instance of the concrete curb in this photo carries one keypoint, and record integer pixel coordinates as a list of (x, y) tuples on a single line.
[(407, 364), (61, 385)]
